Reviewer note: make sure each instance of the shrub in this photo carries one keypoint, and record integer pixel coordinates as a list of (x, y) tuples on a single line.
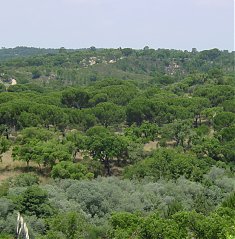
[(71, 170), (34, 201), (25, 180)]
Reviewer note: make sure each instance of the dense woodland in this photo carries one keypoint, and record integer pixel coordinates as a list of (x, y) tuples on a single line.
[(118, 143)]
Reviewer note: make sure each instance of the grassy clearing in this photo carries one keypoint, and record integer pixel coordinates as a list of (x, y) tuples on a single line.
[(10, 168)]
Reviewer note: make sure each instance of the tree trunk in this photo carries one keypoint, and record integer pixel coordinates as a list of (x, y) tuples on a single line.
[(27, 165), (200, 120), (196, 121), (107, 166)]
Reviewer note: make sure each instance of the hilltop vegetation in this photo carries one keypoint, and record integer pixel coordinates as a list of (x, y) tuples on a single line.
[(19, 52), (144, 67), (119, 143)]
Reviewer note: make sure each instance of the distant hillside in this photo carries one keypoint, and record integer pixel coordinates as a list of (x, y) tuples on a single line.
[(61, 67), (21, 51)]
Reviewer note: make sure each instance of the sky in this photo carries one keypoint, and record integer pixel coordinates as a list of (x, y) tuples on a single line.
[(172, 24)]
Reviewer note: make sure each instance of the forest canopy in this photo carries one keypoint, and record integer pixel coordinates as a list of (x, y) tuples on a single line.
[(117, 143)]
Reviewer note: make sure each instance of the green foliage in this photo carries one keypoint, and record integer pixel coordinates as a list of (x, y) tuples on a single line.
[(212, 147), (67, 226), (34, 201), (229, 202), (6, 207), (156, 228), (145, 132), (4, 145), (105, 146), (124, 225), (78, 139), (227, 134), (77, 98), (5, 236), (71, 170), (139, 110), (170, 164), (82, 119), (216, 94), (42, 114), (24, 180), (104, 108), (43, 152), (21, 51), (121, 93), (181, 225), (109, 114), (4, 188), (228, 151), (229, 105), (33, 133), (224, 119), (2, 88), (98, 98), (179, 131), (36, 73)]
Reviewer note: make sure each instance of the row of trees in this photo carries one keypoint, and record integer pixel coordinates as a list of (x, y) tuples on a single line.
[(154, 105)]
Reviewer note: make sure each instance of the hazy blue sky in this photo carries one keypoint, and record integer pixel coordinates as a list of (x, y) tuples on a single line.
[(179, 24)]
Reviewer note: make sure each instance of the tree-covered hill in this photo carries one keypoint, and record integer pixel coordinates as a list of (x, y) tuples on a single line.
[(83, 67), (17, 52), (118, 144)]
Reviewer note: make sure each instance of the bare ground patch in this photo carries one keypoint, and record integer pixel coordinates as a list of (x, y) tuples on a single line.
[(152, 145), (10, 168)]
